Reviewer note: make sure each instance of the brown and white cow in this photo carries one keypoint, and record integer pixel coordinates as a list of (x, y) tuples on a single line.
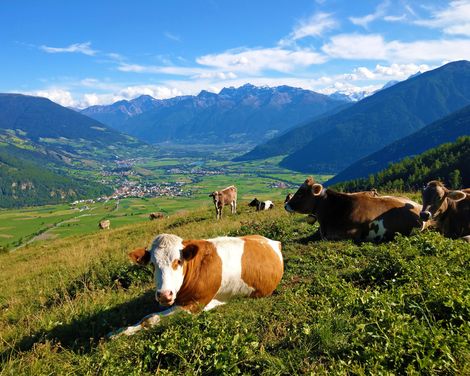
[(104, 224), (261, 205), (361, 217), (195, 275), (449, 210), (227, 196), (156, 215)]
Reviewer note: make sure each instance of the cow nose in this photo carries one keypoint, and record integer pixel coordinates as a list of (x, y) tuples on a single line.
[(165, 296), (425, 216), (288, 208)]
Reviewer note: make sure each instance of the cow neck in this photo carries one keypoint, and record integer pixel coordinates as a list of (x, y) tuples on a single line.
[(202, 276), (444, 209)]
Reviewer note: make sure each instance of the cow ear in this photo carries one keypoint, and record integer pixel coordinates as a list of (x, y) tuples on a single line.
[(456, 195), (140, 256), (317, 189), (189, 252)]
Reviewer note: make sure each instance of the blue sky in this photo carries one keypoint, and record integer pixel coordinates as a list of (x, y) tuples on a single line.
[(82, 53)]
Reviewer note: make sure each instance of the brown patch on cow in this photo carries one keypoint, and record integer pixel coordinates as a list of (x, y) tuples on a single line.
[(262, 268), (202, 275), (175, 264), (140, 256)]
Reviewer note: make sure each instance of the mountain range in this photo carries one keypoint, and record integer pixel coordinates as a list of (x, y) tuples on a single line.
[(332, 143), (248, 114), (447, 129)]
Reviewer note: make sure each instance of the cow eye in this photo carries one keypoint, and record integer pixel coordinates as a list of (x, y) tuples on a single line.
[(180, 262)]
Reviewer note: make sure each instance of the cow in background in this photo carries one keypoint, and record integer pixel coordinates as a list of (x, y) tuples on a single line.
[(105, 224), (261, 205), (227, 196), (156, 215), (449, 210), (360, 217)]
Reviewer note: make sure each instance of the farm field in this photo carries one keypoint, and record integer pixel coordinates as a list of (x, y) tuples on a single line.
[(402, 307), (21, 226)]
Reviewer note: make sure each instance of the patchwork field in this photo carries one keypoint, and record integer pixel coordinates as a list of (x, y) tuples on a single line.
[(341, 308)]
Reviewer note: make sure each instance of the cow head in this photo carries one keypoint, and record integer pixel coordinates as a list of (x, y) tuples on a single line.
[(434, 198), (288, 198), (305, 199), (216, 196), (168, 255), (254, 203)]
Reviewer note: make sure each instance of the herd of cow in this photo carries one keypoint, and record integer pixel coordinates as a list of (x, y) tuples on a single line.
[(195, 275)]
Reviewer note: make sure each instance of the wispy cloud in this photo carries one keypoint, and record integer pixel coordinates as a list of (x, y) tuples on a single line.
[(315, 26), (379, 12), (452, 20), (81, 48), (172, 36)]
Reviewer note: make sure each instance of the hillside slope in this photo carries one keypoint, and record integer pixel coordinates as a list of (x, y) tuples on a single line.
[(449, 163), (444, 130), (25, 181), (44, 124), (235, 115), (341, 308), (333, 143)]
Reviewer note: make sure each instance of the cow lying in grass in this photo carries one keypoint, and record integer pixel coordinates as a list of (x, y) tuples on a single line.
[(261, 205), (449, 210), (195, 275), (360, 217)]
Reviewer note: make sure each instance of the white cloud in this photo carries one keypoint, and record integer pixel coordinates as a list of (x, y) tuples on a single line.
[(356, 46), (402, 17), (82, 48), (378, 13), (173, 70), (172, 36), (374, 47), (453, 20), (315, 26), (58, 95), (253, 61)]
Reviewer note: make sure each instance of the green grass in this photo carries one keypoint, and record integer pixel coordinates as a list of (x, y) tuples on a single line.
[(341, 308)]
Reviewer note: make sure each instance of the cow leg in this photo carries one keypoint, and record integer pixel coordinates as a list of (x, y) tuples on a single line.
[(148, 321), (212, 304)]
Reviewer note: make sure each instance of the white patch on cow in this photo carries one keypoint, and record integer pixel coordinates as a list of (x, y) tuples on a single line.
[(165, 249), (267, 204), (379, 233), (276, 246), (230, 250)]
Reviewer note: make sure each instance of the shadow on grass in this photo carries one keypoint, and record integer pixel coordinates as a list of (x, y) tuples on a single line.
[(86, 332)]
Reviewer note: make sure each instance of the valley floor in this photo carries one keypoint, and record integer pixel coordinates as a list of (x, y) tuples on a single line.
[(341, 308)]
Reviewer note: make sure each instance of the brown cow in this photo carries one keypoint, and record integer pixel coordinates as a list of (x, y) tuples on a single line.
[(450, 210), (361, 217), (227, 196), (195, 275), (156, 215), (104, 224)]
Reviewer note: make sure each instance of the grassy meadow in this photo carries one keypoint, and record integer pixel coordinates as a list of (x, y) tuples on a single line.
[(341, 308)]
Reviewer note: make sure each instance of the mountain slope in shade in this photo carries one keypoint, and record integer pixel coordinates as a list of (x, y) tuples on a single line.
[(448, 162), (235, 115), (447, 129), (383, 118), (47, 125)]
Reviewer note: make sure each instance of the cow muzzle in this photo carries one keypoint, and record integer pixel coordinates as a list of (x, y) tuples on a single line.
[(165, 298), (288, 208), (425, 216)]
